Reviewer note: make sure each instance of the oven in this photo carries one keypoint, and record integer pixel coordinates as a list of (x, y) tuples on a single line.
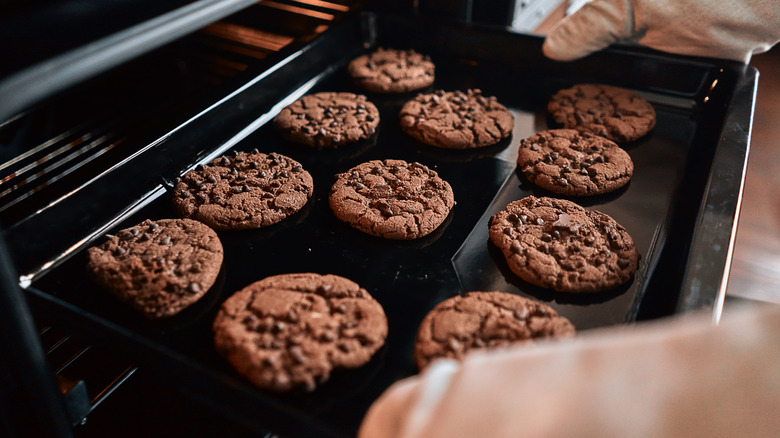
[(100, 113)]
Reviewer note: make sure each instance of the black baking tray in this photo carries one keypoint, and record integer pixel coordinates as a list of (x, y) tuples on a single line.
[(680, 208)]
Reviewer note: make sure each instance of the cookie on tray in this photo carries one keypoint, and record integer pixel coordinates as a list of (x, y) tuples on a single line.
[(571, 163), (611, 112), (290, 331), (485, 320), (243, 191), (557, 244), (159, 267), (456, 119), (392, 71), (392, 199), (328, 119)]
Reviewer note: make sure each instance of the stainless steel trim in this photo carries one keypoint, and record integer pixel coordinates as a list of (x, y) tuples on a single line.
[(705, 280)]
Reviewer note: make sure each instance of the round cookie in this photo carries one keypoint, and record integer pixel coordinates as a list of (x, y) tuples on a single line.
[(557, 244), (247, 190), (392, 199), (328, 120), (392, 71), (611, 112), (571, 163), (290, 331), (456, 120), (485, 320), (159, 267)]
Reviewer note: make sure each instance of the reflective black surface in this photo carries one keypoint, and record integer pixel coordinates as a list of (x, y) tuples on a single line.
[(659, 209)]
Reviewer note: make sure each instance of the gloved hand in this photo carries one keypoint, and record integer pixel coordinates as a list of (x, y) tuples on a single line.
[(682, 378), (731, 30)]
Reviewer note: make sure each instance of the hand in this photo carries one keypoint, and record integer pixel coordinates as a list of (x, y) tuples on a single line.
[(730, 30), (681, 378)]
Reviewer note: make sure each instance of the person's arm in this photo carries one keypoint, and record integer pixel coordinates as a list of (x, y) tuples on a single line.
[(679, 378), (731, 30)]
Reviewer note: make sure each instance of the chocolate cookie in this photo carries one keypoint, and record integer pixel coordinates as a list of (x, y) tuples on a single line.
[(290, 331), (557, 244), (328, 119), (159, 267), (568, 162), (485, 320), (456, 120), (391, 199), (615, 113), (392, 71), (243, 191)]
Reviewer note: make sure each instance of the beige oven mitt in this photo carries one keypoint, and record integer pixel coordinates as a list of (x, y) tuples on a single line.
[(672, 378), (716, 28)]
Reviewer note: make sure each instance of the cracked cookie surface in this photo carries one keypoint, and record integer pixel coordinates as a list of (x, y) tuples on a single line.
[(159, 267), (568, 162), (485, 320), (557, 244), (392, 199), (243, 191), (456, 119), (611, 112), (392, 71), (328, 119), (290, 331)]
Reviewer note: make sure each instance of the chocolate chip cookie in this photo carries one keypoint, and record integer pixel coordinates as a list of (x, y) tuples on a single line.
[(243, 191), (392, 71), (557, 244), (290, 331), (392, 199), (485, 320), (571, 163), (328, 120), (456, 119), (159, 267), (615, 113)]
